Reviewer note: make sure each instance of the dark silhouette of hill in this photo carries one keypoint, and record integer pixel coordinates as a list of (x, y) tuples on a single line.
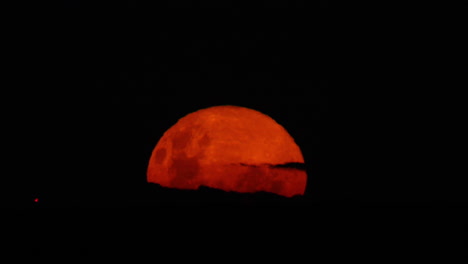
[(135, 220), (290, 165), (157, 195), (148, 195)]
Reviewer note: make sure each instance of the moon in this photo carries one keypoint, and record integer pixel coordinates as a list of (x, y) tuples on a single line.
[(231, 148)]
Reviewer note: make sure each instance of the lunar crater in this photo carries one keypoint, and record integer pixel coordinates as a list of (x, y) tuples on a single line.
[(184, 171), (160, 155)]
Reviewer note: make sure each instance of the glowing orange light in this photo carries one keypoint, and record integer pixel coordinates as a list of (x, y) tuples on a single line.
[(230, 148)]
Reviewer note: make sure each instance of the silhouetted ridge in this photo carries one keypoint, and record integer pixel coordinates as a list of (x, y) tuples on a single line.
[(205, 195), (291, 165)]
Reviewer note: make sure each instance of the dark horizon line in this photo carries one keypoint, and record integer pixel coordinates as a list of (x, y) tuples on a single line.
[(290, 165)]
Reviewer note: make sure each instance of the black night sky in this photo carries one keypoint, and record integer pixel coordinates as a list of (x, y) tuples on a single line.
[(97, 83), (108, 80)]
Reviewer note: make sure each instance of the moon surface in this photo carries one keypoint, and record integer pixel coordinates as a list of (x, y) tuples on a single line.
[(230, 148)]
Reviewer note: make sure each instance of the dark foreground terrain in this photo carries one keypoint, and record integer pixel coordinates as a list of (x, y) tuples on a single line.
[(153, 195), (211, 225)]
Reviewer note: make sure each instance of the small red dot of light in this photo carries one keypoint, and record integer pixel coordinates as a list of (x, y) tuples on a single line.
[(36, 200)]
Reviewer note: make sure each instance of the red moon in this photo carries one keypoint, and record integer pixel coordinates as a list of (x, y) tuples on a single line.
[(230, 148)]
